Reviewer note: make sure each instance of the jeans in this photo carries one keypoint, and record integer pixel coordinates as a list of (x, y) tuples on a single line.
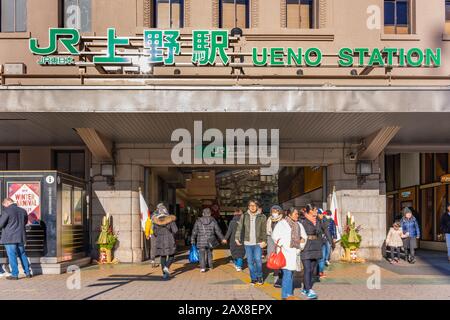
[(239, 262), (308, 269), (12, 250), (410, 246), (393, 251), (254, 259), (166, 261), (447, 239), (206, 258), (287, 285), (326, 248)]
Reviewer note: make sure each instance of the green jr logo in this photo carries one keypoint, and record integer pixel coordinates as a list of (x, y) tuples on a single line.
[(68, 37)]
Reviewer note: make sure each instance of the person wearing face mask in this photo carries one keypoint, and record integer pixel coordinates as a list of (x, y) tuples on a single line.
[(313, 249), (276, 215)]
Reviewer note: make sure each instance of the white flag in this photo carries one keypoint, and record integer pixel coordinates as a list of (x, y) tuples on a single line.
[(335, 215), (144, 213)]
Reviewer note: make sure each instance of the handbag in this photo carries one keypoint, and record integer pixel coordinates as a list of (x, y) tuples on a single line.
[(276, 260), (299, 264), (193, 254)]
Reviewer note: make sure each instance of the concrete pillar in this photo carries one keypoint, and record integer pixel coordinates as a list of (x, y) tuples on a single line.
[(365, 203), (122, 202)]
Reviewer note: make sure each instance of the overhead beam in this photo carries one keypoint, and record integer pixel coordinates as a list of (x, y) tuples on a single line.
[(377, 142), (98, 145)]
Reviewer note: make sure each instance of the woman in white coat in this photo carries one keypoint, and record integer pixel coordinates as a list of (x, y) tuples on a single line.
[(291, 237)]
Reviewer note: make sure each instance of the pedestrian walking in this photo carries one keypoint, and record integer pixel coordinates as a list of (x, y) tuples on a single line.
[(313, 249), (204, 235), (276, 215), (333, 231), (237, 252), (327, 240), (164, 231), (411, 233), (445, 228), (12, 222), (290, 236), (252, 227), (394, 240)]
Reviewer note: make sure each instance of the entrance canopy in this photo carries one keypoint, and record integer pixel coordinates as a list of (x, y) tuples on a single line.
[(48, 115)]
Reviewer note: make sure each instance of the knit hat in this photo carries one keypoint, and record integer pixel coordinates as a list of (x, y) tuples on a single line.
[(319, 211), (328, 213), (276, 207), (206, 212), (406, 210)]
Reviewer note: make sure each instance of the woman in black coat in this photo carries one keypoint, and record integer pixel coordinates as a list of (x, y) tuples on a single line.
[(237, 252), (313, 249), (164, 230)]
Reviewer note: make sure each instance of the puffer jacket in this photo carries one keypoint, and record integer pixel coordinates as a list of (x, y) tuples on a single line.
[(164, 230), (205, 233), (445, 223), (411, 226), (394, 238)]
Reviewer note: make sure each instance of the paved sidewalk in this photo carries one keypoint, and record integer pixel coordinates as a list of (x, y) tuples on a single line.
[(429, 278)]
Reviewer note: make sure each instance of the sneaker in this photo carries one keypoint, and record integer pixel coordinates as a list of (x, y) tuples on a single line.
[(277, 284), (322, 275), (12, 278), (253, 282), (202, 270), (413, 260), (238, 269), (327, 263), (166, 270), (260, 281), (311, 294), (391, 261), (29, 276)]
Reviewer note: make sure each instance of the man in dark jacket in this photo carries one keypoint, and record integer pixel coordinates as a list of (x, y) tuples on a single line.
[(327, 239), (253, 228), (237, 252), (204, 235), (445, 228), (12, 222)]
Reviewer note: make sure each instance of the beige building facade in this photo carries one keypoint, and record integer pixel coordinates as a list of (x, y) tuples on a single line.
[(391, 120)]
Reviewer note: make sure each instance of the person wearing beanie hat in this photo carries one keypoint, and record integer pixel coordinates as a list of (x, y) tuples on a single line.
[(276, 215), (204, 234), (164, 230), (411, 233), (327, 241)]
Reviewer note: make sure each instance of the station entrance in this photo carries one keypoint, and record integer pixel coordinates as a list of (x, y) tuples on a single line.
[(186, 191)]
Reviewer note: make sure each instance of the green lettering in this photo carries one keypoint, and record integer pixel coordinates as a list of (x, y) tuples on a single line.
[(390, 55), (376, 58), (256, 61), (410, 57), (292, 55), (276, 57), (433, 59), (313, 52), (361, 52), (345, 57)]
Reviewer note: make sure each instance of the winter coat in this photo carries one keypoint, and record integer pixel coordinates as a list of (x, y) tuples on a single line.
[(205, 231), (164, 230), (236, 251), (332, 228), (244, 228), (282, 234), (271, 224), (394, 238), (313, 248), (12, 222), (445, 222), (411, 226), (326, 237)]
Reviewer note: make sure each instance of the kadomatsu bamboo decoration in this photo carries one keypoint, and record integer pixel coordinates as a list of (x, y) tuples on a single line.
[(106, 241), (351, 240)]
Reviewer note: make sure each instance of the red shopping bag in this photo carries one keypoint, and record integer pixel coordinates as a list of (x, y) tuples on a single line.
[(276, 259)]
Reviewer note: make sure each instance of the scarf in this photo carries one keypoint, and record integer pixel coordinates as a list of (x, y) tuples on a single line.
[(295, 233), (311, 218)]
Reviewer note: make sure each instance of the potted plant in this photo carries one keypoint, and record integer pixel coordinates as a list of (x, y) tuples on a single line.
[(106, 241), (351, 240)]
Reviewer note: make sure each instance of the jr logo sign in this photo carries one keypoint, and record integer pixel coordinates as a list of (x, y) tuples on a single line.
[(68, 37)]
